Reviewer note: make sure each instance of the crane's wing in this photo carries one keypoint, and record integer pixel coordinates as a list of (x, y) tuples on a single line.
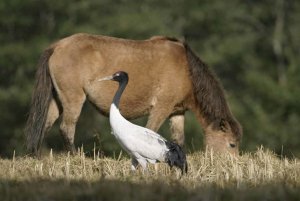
[(139, 141), (150, 135), (148, 143)]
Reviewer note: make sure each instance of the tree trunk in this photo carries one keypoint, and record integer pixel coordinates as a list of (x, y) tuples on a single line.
[(278, 42)]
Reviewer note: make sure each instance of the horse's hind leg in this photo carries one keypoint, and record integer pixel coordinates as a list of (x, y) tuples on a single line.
[(177, 128), (72, 105), (53, 114)]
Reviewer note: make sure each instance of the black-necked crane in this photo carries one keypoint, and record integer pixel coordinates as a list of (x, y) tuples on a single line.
[(142, 144)]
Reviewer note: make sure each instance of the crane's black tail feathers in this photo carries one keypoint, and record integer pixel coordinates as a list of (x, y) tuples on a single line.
[(176, 157)]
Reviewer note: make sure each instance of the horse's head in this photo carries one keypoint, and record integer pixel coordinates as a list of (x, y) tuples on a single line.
[(222, 136), (222, 131)]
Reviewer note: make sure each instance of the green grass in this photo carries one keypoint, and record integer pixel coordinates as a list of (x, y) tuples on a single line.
[(252, 176)]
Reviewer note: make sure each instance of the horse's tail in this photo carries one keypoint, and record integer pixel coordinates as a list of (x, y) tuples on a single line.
[(40, 101)]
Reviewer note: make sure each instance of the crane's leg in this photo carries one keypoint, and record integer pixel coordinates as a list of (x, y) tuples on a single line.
[(143, 163), (134, 164), (177, 128)]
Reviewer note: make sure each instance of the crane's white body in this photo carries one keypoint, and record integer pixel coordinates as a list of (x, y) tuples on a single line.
[(142, 144)]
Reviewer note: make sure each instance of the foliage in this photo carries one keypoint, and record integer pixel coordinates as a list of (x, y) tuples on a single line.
[(252, 45)]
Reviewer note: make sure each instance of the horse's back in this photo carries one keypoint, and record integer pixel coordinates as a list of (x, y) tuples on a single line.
[(157, 70)]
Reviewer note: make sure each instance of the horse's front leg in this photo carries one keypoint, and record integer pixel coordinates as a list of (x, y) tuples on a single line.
[(157, 117), (177, 128)]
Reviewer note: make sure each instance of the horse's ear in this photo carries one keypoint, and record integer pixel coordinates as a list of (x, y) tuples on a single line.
[(223, 125)]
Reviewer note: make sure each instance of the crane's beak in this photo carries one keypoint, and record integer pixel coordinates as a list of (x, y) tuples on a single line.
[(105, 78)]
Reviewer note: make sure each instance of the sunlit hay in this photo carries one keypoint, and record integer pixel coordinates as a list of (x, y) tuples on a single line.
[(205, 168)]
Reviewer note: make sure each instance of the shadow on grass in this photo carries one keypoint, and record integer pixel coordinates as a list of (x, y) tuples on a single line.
[(111, 190)]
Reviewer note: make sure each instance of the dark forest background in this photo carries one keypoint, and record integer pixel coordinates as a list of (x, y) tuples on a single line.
[(253, 46)]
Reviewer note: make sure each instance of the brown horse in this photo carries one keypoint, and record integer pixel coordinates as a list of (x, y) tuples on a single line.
[(167, 79)]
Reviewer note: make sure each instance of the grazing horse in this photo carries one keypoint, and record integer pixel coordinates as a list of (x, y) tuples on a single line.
[(167, 80)]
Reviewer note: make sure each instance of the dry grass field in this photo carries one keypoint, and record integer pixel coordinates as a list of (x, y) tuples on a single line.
[(252, 176)]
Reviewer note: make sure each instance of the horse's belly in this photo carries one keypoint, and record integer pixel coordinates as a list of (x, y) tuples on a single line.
[(131, 106), (128, 110)]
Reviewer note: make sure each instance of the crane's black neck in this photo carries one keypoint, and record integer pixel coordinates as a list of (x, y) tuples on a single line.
[(122, 85)]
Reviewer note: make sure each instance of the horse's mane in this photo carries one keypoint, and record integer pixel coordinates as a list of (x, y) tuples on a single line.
[(173, 39), (209, 94)]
